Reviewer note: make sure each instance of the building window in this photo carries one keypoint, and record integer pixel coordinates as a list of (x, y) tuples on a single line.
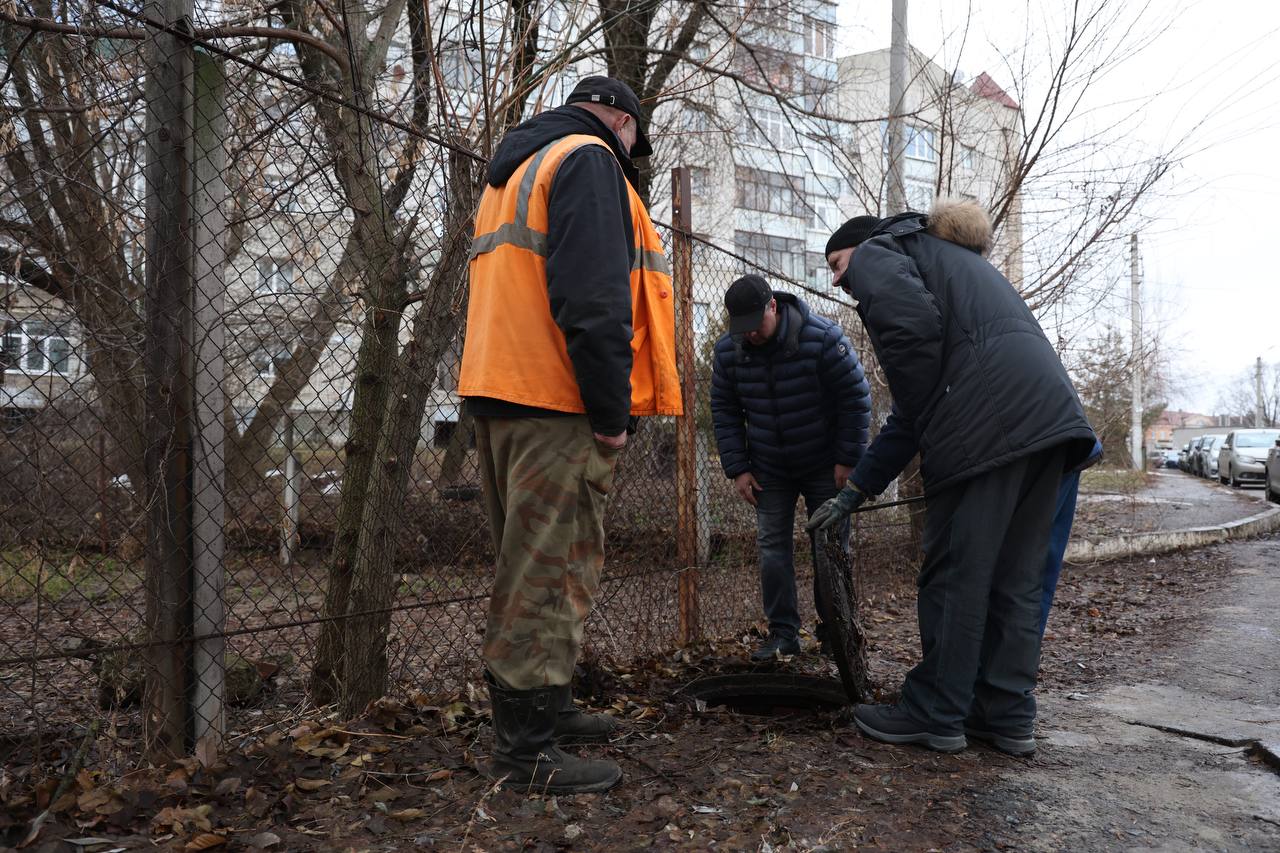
[(32, 346), (817, 273), (767, 127), (771, 192), (968, 157), (919, 195), (460, 67), (773, 70), (268, 363), (819, 38), (783, 255), (282, 195), (275, 276), (701, 319), (920, 144)]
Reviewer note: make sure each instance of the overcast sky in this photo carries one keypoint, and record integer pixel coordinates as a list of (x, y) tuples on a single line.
[(1211, 256)]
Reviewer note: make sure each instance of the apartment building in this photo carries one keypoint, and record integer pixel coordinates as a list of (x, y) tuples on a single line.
[(962, 139)]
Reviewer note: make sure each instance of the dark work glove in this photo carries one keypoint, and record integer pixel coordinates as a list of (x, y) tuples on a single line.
[(836, 509)]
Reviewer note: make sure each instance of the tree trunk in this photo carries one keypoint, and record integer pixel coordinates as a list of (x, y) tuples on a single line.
[(455, 452), (374, 362), (374, 576)]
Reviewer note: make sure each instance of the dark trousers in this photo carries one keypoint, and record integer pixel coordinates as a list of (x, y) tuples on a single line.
[(775, 540), (979, 598), (1060, 534)]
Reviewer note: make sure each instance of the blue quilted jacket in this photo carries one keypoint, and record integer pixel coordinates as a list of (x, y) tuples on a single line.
[(794, 405)]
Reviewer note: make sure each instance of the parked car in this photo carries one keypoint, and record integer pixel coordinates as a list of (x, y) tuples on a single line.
[(1273, 473), (1183, 462), (1243, 457), (1193, 455), (1170, 458), (1207, 456)]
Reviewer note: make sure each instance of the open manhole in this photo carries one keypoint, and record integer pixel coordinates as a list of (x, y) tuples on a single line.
[(768, 693)]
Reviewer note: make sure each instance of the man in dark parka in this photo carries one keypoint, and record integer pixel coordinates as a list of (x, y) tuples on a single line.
[(981, 395)]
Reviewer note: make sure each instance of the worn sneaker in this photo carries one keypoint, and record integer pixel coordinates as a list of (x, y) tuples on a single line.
[(1009, 743), (890, 724), (776, 646)]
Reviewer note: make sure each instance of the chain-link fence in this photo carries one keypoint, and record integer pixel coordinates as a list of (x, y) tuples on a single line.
[(236, 475)]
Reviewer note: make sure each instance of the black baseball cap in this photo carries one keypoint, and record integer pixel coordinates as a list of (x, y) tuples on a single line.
[(745, 300), (613, 93)]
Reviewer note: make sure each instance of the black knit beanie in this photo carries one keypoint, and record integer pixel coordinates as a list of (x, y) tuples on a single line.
[(852, 233)]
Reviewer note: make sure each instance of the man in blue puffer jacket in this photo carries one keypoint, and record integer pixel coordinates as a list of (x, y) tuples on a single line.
[(791, 408)]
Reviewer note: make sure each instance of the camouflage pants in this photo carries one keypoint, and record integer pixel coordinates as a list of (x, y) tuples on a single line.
[(546, 481)]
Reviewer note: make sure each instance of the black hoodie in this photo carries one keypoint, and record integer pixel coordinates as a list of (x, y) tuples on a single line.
[(590, 249)]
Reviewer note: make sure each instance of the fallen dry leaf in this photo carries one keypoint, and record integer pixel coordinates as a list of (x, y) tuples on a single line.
[(177, 780), (264, 840), (383, 795), (63, 803), (205, 841), (310, 784), (229, 785), (206, 752), (406, 814)]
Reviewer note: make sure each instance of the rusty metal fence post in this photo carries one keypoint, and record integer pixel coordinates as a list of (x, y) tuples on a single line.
[(687, 481)]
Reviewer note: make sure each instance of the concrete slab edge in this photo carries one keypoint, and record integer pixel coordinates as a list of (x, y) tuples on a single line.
[(1163, 541)]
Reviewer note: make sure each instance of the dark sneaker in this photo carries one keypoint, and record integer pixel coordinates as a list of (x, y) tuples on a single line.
[(776, 646), (1009, 743), (890, 724)]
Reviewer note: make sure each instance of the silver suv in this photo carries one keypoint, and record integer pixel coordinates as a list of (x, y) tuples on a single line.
[(1243, 457)]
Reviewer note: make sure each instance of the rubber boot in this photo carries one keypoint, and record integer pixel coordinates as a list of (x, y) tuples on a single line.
[(525, 755), (574, 726)]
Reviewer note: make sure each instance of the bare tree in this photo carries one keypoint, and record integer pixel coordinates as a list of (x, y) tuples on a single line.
[(1062, 186), (1101, 367), (1238, 398)]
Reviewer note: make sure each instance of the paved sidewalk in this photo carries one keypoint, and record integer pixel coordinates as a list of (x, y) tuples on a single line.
[(1173, 501), (1183, 755)]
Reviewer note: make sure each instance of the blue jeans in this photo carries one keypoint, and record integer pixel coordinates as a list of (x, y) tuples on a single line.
[(775, 539), (1063, 516)]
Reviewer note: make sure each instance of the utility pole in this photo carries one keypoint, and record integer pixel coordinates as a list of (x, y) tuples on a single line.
[(1259, 410), (897, 139), (1135, 307)]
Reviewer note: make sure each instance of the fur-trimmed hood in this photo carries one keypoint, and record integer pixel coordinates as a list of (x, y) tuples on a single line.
[(955, 220), (962, 222)]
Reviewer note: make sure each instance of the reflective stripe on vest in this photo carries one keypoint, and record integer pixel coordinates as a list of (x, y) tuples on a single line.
[(653, 261), (518, 233)]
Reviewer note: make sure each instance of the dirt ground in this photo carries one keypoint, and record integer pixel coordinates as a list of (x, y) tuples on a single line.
[(696, 777)]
